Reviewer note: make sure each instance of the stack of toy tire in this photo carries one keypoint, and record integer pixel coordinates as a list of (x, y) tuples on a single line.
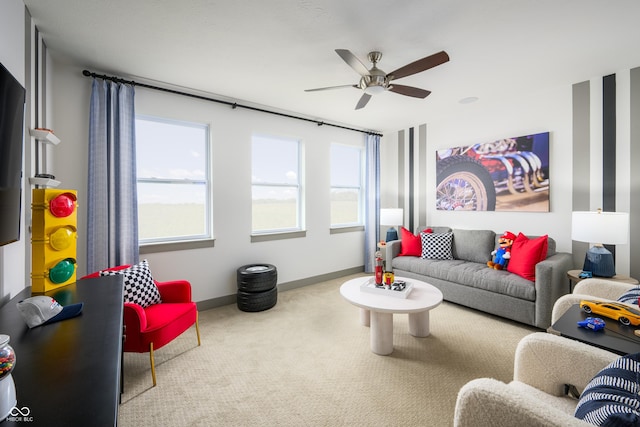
[(257, 289)]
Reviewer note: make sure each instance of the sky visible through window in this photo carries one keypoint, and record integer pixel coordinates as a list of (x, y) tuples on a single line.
[(345, 165), (175, 151)]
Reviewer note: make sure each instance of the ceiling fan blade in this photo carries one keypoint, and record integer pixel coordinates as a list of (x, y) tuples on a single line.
[(363, 101), (419, 65), (416, 92), (330, 88), (353, 61)]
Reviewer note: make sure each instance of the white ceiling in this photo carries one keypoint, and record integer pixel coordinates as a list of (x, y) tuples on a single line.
[(268, 52)]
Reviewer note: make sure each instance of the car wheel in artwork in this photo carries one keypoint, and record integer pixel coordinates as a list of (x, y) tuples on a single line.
[(464, 184), (257, 301), (257, 277), (586, 308), (624, 321)]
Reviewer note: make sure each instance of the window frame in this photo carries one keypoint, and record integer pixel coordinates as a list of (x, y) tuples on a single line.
[(288, 232), (162, 244), (359, 224)]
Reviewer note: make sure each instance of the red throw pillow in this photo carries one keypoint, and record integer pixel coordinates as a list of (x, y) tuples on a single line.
[(410, 244), (525, 254)]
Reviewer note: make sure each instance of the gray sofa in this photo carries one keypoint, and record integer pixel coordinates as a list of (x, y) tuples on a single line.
[(468, 281)]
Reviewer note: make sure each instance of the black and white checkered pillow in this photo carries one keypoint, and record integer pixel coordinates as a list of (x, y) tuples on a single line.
[(436, 245), (139, 287)]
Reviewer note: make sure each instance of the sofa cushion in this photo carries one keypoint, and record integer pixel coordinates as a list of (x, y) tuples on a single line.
[(470, 274), (410, 244), (525, 254), (611, 398), (436, 245), (473, 245)]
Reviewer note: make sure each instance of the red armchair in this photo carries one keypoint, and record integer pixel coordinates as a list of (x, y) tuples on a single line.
[(149, 329)]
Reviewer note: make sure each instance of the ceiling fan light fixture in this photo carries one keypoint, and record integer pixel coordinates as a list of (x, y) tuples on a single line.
[(374, 90), (374, 81)]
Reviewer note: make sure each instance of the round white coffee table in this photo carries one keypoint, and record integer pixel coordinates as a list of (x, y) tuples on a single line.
[(377, 310)]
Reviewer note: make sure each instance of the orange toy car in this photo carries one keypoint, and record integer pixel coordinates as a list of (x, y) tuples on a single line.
[(623, 313)]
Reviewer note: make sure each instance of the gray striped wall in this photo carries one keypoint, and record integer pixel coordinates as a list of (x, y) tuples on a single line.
[(412, 175), (412, 168), (634, 197), (610, 140)]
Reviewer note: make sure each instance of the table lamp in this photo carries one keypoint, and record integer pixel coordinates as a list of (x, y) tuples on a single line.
[(391, 217), (599, 228)]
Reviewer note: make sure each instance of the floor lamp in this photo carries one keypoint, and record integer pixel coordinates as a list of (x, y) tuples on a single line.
[(599, 228), (392, 218)]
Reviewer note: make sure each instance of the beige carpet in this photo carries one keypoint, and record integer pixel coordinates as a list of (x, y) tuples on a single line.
[(307, 362)]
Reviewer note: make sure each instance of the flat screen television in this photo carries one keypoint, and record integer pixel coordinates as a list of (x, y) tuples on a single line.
[(12, 99)]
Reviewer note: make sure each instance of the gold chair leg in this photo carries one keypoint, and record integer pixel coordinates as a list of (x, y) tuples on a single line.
[(198, 327), (153, 364)]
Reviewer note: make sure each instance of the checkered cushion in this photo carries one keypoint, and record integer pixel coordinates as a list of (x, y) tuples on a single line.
[(631, 296), (139, 287), (436, 245)]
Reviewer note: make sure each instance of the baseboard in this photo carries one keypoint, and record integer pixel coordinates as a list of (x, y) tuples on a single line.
[(282, 287)]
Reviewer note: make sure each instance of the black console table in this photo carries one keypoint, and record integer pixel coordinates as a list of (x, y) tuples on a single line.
[(69, 373)]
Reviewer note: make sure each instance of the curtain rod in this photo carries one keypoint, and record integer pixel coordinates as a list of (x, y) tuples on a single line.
[(233, 105)]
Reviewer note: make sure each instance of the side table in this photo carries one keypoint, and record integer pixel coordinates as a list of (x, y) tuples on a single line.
[(574, 278), (615, 337)]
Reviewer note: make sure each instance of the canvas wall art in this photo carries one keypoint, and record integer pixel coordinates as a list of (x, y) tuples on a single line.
[(510, 174)]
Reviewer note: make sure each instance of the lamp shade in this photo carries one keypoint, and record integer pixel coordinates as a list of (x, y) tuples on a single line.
[(391, 217), (600, 227)]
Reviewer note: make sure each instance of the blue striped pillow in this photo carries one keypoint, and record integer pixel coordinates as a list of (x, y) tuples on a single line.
[(631, 296), (611, 398)]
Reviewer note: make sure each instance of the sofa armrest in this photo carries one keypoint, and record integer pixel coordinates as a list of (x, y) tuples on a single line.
[(175, 291), (592, 289), (134, 322), (603, 288), (548, 362), (393, 249), (566, 301), (486, 402), (551, 283)]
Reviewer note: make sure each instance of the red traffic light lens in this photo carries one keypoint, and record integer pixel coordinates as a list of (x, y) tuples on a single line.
[(62, 205)]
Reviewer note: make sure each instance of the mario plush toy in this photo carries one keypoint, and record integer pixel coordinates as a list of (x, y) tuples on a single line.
[(503, 253)]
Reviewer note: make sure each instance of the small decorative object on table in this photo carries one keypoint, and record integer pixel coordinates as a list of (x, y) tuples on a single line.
[(626, 314), (585, 275), (397, 289), (593, 323), (7, 386), (379, 268)]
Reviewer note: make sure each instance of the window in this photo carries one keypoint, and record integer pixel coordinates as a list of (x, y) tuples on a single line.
[(275, 185), (172, 161), (346, 185)]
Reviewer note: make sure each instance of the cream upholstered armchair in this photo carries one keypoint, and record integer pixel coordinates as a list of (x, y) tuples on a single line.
[(537, 397), (592, 289)]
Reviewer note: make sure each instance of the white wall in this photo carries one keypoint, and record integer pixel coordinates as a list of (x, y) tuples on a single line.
[(540, 111), (12, 56), (212, 271), (543, 110)]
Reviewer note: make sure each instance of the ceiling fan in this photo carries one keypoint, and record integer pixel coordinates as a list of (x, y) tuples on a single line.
[(374, 80)]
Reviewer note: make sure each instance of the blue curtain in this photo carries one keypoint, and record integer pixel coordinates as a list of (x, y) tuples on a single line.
[(112, 202), (372, 201)]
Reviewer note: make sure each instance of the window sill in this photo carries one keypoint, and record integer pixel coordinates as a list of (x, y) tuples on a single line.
[(152, 248), (350, 229), (255, 238)]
